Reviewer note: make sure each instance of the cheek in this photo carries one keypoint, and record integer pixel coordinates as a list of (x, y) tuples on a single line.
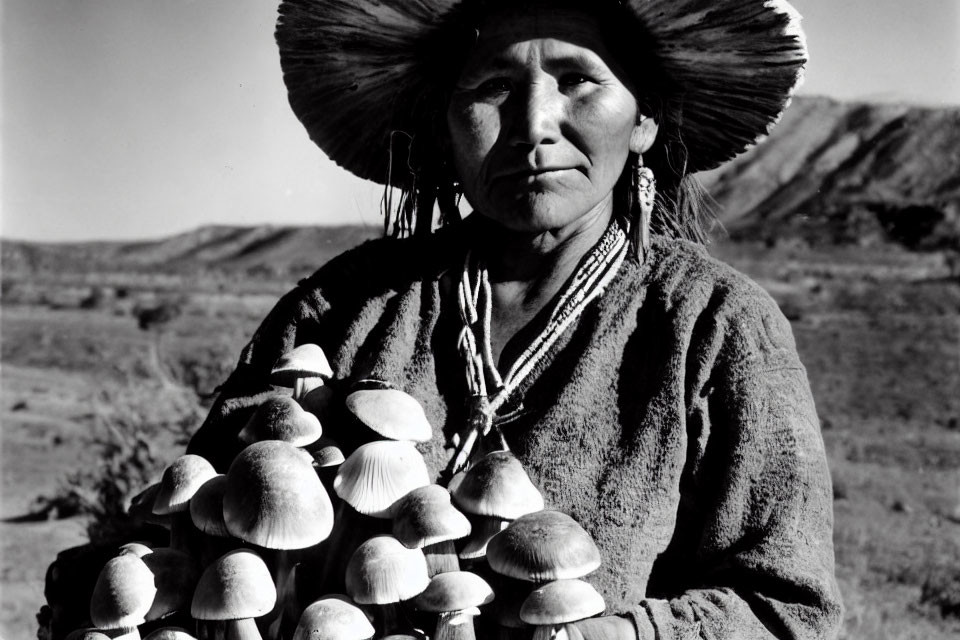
[(473, 131), (606, 126)]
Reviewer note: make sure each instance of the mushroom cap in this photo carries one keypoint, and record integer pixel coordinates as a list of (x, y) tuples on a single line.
[(281, 418), (304, 361), (275, 499), (383, 571), (391, 413), (561, 601), (497, 485), (86, 634), (175, 576), (237, 586), (482, 530), (135, 548), (542, 546), (425, 516), (378, 474), (170, 633), (326, 452), (206, 507), (454, 591), (333, 619), (180, 481), (123, 593), (141, 507)]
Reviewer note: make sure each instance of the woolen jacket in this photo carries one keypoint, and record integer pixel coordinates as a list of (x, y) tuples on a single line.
[(674, 421)]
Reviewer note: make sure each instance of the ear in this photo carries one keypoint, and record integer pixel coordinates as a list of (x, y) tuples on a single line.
[(643, 135)]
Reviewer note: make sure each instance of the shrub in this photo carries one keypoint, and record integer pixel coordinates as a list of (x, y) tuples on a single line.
[(158, 315), (941, 588), (130, 460)]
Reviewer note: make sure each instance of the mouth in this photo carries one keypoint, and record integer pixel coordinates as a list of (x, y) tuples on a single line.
[(533, 174)]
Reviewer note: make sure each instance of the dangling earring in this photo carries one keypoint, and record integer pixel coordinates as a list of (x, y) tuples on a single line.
[(644, 187)]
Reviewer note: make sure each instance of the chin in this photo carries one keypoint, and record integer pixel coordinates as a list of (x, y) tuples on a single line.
[(535, 213)]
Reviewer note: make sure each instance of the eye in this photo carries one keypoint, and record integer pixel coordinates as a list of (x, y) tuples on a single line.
[(574, 79), (494, 86)]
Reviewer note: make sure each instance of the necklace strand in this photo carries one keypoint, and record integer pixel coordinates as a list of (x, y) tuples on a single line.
[(475, 300)]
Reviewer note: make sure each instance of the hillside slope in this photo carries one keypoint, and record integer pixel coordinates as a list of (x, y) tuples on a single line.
[(831, 173), (267, 250), (849, 172)]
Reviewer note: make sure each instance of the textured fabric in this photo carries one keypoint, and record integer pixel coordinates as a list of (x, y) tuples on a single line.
[(674, 422)]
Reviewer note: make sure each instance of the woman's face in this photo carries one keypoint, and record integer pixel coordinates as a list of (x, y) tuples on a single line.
[(540, 122)]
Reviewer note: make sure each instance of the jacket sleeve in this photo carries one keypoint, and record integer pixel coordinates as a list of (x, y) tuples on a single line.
[(753, 552), (305, 314)]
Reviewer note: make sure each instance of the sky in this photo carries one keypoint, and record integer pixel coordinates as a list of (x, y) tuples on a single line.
[(133, 119)]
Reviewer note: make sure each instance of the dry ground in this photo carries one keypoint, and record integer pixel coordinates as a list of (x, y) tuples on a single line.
[(879, 333)]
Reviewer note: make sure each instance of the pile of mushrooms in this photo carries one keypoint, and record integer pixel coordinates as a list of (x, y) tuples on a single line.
[(297, 541)]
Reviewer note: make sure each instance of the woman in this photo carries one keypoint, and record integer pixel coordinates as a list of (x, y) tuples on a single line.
[(651, 392)]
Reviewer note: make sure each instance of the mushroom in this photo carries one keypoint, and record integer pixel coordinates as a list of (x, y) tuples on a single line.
[(206, 507), (175, 575), (426, 519), (455, 595), (302, 368), (180, 481), (141, 507), (327, 457), (543, 546), (281, 418), (86, 634), (390, 413), (557, 603), (378, 474), (169, 633), (232, 592), (370, 482), (504, 611), (135, 548), (122, 596), (493, 492), (275, 500), (383, 572), (333, 619), (206, 513)]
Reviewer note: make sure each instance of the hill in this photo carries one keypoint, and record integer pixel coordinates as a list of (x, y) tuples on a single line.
[(848, 173), (264, 250), (830, 174)]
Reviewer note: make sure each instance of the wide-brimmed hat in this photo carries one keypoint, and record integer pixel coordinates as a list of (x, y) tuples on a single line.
[(362, 74)]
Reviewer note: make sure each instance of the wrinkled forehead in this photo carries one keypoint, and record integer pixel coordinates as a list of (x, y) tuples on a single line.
[(508, 33)]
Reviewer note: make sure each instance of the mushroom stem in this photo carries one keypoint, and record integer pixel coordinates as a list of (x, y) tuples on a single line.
[(281, 563), (243, 629), (550, 632), (350, 529), (305, 385), (181, 532), (388, 618), (441, 558), (456, 625), (127, 633)]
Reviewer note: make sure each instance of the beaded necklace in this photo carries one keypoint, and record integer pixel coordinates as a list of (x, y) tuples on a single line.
[(488, 390)]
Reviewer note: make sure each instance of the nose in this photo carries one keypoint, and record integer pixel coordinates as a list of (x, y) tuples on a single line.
[(537, 114)]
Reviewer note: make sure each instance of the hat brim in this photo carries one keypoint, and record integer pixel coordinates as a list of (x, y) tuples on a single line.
[(360, 77)]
